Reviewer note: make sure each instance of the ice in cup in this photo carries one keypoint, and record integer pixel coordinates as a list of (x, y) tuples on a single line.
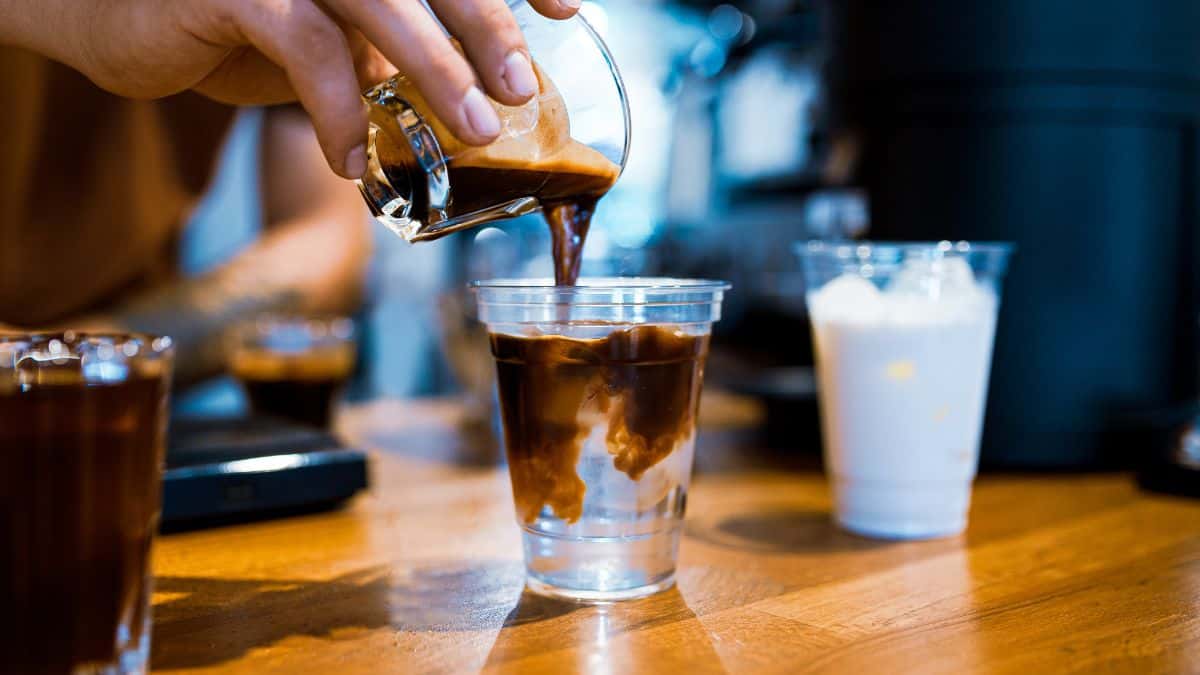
[(82, 427), (903, 337), (599, 386)]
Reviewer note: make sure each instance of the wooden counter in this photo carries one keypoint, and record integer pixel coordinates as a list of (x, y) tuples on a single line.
[(423, 574)]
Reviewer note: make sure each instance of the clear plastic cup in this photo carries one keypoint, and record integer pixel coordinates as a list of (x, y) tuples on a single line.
[(903, 338), (599, 386)]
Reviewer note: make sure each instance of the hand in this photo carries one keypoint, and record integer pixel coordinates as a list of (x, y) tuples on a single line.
[(321, 52)]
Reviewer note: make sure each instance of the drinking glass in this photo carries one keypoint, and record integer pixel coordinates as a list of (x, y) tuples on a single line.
[(410, 183), (293, 367), (903, 338), (599, 385), (82, 426)]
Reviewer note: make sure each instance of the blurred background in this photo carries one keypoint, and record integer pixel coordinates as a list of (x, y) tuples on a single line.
[(1066, 128)]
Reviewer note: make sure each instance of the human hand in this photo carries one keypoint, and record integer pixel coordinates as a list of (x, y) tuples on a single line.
[(320, 52)]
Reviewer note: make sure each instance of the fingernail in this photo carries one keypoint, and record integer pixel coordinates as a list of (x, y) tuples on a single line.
[(570, 4), (518, 74), (356, 161), (480, 114)]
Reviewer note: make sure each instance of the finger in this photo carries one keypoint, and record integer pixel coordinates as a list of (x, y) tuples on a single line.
[(556, 9), (313, 52), (490, 37), (409, 37), (371, 66)]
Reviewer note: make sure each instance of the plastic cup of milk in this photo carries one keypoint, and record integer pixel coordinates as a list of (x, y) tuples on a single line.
[(903, 337)]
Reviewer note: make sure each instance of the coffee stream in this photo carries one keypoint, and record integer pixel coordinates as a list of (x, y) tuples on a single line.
[(569, 221)]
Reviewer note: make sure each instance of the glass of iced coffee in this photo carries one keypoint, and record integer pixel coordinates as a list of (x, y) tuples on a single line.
[(82, 425), (903, 338), (294, 367), (599, 385)]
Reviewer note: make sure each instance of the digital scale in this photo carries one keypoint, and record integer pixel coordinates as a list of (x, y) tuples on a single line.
[(222, 470)]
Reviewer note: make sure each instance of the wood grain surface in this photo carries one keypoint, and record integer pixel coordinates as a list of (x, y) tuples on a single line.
[(1063, 573)]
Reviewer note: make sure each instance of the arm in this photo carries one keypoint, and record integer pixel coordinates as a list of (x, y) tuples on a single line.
[(322, 53), (312, 257)]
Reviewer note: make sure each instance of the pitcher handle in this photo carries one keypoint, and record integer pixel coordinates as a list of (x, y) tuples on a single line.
[(406, 206)]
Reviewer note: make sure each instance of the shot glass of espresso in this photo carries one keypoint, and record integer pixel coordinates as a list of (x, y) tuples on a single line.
[(82, 425), (294, 367), (599, 387)]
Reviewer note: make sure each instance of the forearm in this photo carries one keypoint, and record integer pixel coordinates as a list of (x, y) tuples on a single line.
[(312, 266), (312, 258), (197, 313)]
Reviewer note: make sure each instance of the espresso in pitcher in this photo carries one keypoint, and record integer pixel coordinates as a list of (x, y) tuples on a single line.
[(541, 162), (567, 185)]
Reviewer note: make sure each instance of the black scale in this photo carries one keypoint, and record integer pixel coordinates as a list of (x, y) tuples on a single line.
[(222, 470)]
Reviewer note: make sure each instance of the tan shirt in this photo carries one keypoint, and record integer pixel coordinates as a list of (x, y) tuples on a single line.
[(93, 187)]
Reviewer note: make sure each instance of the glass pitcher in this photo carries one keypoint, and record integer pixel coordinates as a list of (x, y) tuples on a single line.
[(422, 183)]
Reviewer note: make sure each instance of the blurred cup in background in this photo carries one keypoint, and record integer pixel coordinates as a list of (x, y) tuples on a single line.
[(294, 367), (903, 339)]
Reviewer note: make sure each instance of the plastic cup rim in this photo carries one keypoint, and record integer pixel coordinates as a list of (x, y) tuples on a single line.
[(592, 284)]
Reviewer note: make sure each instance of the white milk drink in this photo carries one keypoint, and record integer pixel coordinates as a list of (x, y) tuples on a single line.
[(903, 376)]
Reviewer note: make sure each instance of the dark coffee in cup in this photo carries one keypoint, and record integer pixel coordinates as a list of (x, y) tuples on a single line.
[(642, 383), (80, 478), (300, 387)]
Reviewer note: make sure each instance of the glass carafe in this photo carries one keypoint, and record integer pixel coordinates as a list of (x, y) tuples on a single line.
[(422, 183)]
